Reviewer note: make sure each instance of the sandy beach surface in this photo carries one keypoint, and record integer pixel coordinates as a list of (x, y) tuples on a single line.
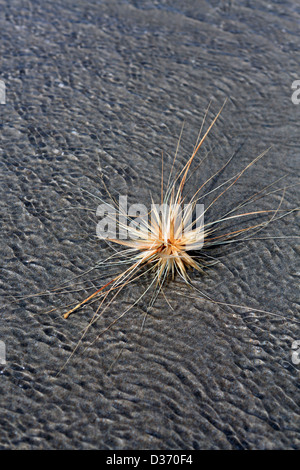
[(110, 83)]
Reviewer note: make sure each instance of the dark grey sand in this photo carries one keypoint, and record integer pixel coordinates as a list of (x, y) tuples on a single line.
[(112, 82)]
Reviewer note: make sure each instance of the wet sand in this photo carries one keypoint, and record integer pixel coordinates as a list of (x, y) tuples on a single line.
[(112, 82)]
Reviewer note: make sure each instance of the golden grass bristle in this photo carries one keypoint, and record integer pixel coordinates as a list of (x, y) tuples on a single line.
[(162, 244)]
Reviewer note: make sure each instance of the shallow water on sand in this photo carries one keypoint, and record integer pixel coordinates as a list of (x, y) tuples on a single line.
[(112, 82)]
